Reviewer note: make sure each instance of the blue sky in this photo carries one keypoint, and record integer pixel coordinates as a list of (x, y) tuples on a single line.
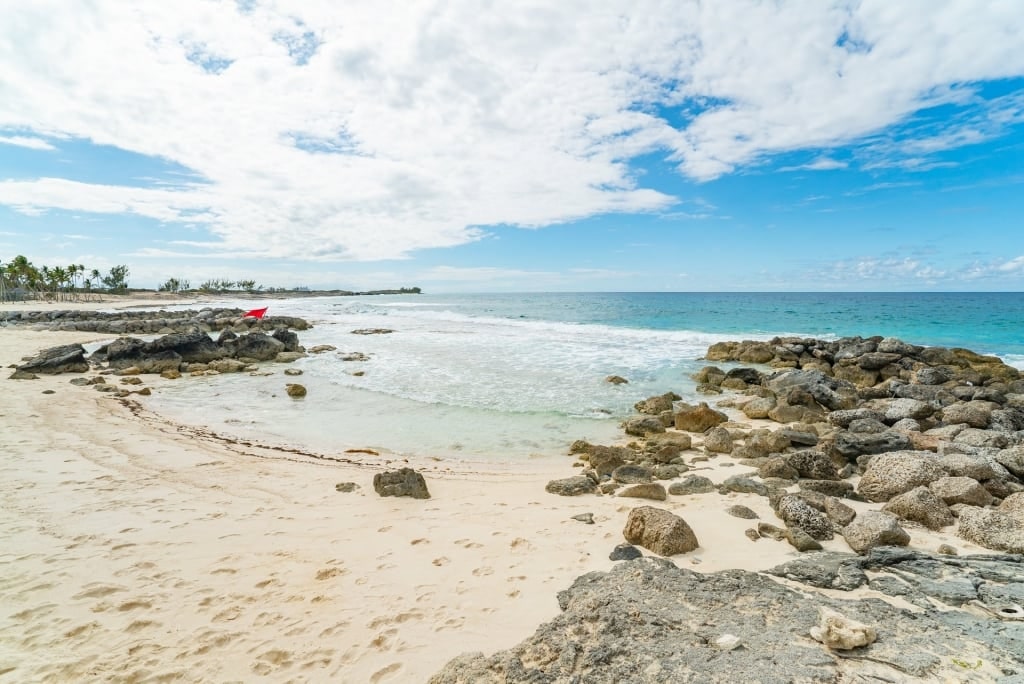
[(523, 146)]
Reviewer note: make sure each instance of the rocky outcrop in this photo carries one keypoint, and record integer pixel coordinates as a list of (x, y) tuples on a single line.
[(897, 472), (148, 322), (647, 621), (68, 358)]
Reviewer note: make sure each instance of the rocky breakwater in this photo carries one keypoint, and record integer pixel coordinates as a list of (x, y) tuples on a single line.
[(148, 322)]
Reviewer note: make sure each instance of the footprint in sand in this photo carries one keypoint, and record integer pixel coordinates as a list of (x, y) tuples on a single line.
[(443, 560), (450, 623), (467, 544), (97, 591), (414, 542), (269, 661), (385, 673), (520, 544), (328, 573), (227, 615), (134, 605), (337, 627), (484, 571), (382, 642)]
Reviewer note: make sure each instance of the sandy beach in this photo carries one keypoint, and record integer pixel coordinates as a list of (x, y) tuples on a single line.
[(138, 550)]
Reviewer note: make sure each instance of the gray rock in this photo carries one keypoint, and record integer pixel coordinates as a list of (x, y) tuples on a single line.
[(960, 490), (977, 414), (402, 482), (625, 552), (813, 465), (649, 622), (920, 505), (982, 438), (849, 445), (845, 417), (647, 490), (632, 474), (741, 512), (826, 570), (640, 427), (718, 440), (837, 488), (868, 426), (874, 528), (68, 358), (604, 460), (906, 425), (931, 376), (585, 518), (796, 512), (838, 512), (779, 467), (991, 529), (692, 484), (660, 531), (257, 346), (800, 540), (1013, 506), (897, 472), (571, 486), (743, 485), (899, 409), (977, 466), (346, 487)]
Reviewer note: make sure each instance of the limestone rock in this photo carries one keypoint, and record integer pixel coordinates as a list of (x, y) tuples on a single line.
[(991, 528), (962, 490), (295, 391), (1013, 506), (346, 487), (659, 531), (718, 440), (874, 528), (850, 445), (778, 466), (743, 485), (977, 414), (632, 474), (741, 512), (640, 427), (758, 407), (653, 406), (800, 540), (692, 484), (838, 512), (920, 505), (616, 380), (699, 419), (571, 486), (68, 358), (798, 513), (897, 472), (604, 459), (403, 482), (839, 632), (647, 490), (813, 465)]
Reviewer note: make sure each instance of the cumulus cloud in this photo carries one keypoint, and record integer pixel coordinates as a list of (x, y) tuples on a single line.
[(375, 129)]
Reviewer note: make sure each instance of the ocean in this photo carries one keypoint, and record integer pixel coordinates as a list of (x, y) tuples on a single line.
[(513, 376)]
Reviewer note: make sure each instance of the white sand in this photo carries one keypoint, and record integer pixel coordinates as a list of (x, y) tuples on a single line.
[(137, 550)]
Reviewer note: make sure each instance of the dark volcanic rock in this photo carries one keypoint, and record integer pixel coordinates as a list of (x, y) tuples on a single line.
[(257, 346), (850, 445), (648, 622), (68, 358), (403, 482)]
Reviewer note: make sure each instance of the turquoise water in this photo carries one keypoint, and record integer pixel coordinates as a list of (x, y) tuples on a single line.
[(521, 374)]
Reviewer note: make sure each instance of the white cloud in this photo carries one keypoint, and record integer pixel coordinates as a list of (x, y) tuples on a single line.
[(371, 130), (1013, 265), (26, 141)]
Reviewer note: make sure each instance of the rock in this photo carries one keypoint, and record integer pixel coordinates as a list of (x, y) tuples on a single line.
[(354, 356), (977, 414), (1013, 506), (653, 406), (741, 512), (403, 482), (616, 380), (813, 465), (68, 358), (836, 488), (920, 505), (758, 407), (346, 487), (899, 409), (194, 346), (829, 392), (868, 426), (648, 490), (974, 466), (906, 425), (874, 528), (839, 632), (228, 366), (373, 331), (257, 346), (798, 513), (288, 356), (632, 474), (768, 530), (800, 540), (699, 419), (692, 484), (778, 466), (668, 472), (585, 518), (625, 552), (659, 531), (982, 438), (170, 374), (743, 485), (604, 460), (571, 486), (718, 440), (640, 427), (1012, 459), (946, 550), (752, 534), (991, 529), (894, 473), (293, 371), (767, 441), (845, 417), (295, 391), (22, 375), (838, 512), (850, 445), (289, 339), (321, 348), (962, 490)]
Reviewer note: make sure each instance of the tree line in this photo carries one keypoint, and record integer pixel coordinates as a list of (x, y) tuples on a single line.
[(21, 279)]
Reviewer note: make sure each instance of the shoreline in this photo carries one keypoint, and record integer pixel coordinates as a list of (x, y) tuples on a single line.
[(140, 547)]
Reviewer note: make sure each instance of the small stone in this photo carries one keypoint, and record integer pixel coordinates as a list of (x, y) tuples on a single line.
[(752, 534), (402, 482), (616, 380), (571, 486), (801, 541), (49, 391), (839, 632), (170, 374), (946, 550), (586, 518), (727, 642), (295, 391), (346, 487), (647, 490), (741, 512), (625, 552), (768, 530), (293, 371), (131, 381), (691, 484)]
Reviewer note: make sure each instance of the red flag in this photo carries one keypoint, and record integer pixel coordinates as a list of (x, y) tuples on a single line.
[(255, 313)]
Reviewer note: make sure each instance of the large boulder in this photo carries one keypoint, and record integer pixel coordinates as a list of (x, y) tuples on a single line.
[(896, 472), (718, 440), (960, 490), (850, 445), (977, 414), (991, 529), (257, 346), (829, 392), (920, 505), (571, 486), (653, 406), (895, 410), (813, 465), (194, 346), (692, 484), (659, 531), (67, 358), (699, 419), (798, 513), (604, 459), (403, 482), (286, 337), (1012, 459), (874, 528)]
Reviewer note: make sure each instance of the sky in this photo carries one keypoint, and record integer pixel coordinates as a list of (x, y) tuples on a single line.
[(634, 145)]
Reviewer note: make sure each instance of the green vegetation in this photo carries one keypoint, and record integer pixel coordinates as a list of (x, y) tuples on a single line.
[(21, 279)]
